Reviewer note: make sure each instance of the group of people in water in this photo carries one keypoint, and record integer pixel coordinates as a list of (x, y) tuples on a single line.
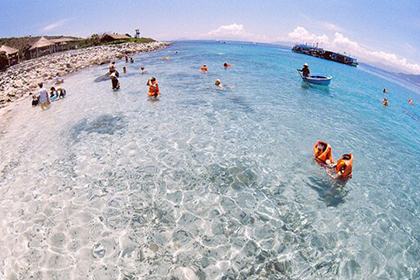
[(151, 82), (341, 170), (218, 82), (43, 98), (386, 103)]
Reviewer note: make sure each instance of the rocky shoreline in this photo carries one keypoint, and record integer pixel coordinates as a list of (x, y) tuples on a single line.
[(21, 79)]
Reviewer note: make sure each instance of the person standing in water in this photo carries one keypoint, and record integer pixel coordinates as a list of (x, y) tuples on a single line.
[(384, 91), (203, 68), (153, 88), (305, 70), (112, 67), (114, 81), (343, 168), (44, 97), (143, 71)]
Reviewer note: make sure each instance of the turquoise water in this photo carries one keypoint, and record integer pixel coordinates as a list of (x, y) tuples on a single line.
[(212, 184)]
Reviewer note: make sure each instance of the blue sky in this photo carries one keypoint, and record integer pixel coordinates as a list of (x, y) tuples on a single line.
[(383, 32)]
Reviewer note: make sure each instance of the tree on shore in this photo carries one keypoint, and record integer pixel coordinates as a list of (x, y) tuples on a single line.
[(95, 39)]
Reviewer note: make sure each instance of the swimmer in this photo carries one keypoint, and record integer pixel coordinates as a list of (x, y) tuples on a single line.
[(218, 83), (61, 92), (143, 71), (305, 70), (385, 102), (166, 58), (203, 68), (35, 99), (124, 70), (111, 67), (131, 59), (322, 154), (114, 81), (126, 58), (153, 88), (384, 91), (226, 65), (343, 168), (410, 102), (53, 93)]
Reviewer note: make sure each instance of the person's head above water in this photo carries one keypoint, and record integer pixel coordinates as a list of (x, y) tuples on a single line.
[(322, 146), (142, 68), (217, 82), (204, 65), (346, 157), (152, 79)]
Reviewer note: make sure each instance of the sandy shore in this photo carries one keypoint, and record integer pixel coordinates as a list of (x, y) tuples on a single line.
[(21, 79)]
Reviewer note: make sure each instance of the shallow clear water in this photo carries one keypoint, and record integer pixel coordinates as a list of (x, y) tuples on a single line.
[(209, 184)]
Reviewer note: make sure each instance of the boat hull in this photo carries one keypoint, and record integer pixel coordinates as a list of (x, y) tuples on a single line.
[(318, 80)]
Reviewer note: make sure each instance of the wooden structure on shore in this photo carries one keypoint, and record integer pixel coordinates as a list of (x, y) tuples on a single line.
[(12, 54), (48, 46), (109, 37)]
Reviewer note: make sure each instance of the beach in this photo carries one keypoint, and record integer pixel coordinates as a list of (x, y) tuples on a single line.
[(210, 183), (21, 79)]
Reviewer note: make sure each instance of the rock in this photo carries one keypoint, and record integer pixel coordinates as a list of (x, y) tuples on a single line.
[(20, 79)]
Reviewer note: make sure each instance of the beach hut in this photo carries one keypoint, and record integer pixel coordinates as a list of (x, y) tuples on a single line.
[(41, 47), (113, 37), (12, 54), (62, 44)]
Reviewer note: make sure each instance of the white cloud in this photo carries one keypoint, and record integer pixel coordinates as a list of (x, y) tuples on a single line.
[(343, 43), (409, 48), (55, 25), (331, 26), (302, 35), (236, 30)]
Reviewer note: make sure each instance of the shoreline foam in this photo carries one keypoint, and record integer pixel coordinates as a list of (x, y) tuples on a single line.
[(21, 79)]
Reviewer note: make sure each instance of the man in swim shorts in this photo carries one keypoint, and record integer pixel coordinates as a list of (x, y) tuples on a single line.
[(44, 97)]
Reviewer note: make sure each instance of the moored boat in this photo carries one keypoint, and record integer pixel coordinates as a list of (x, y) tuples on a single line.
[(319, 80), (324, 54)]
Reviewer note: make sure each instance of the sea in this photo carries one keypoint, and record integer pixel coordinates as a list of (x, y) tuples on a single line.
[(208, 183)]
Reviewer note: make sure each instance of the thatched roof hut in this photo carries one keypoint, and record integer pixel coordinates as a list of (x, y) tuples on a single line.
[(113, 37), (62, 40), (42, 43), (8, 50)]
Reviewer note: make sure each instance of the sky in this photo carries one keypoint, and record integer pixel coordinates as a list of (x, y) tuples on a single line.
[(382, 33)]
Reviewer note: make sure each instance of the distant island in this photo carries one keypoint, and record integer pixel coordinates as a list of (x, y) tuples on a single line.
[(415, 79)]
